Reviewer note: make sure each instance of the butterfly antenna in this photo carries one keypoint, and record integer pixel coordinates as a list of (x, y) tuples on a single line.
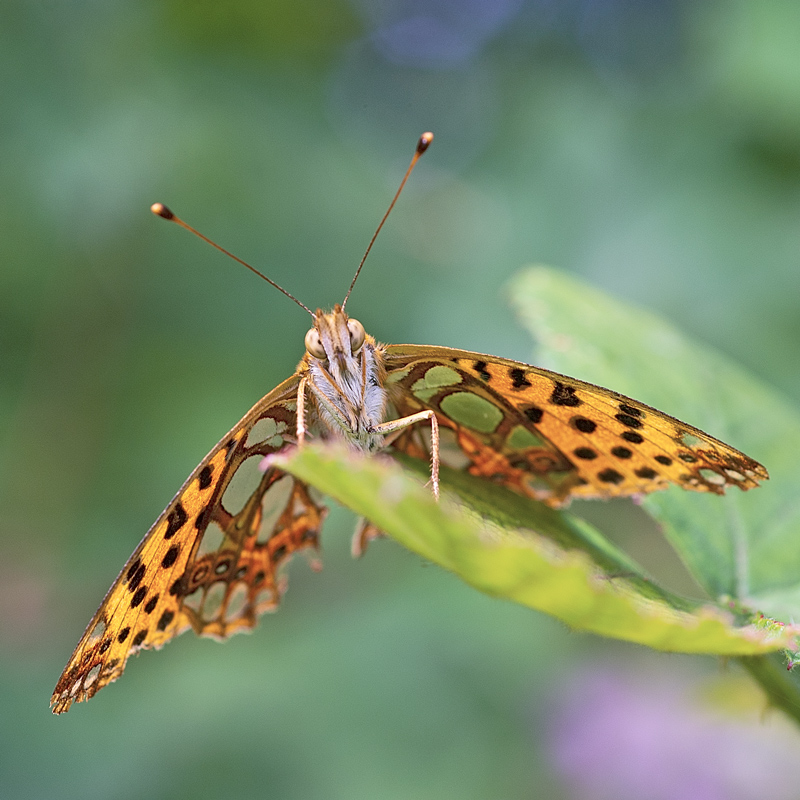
[(422, 146), (160, 210)]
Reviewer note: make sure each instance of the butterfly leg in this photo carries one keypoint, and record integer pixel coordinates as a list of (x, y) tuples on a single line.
[(301, 412), (397, 425), (364, 533), (335, 420), (382, 429)]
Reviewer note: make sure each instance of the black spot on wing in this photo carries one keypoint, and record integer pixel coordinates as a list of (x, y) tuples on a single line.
[(583, 425), (178, 588), (610, 476), (518, 379), (170, 557), (133, 568), (632, 436), (621, 452), (138, 596), (204, 478), (586, 453), (533, 413), (629, 420), (165, 620), (202, 518), (136, 578), (176, 520), (564, 395), (480, 368)]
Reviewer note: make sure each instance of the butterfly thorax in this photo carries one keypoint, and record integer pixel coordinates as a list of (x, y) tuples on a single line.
[(346, 377)]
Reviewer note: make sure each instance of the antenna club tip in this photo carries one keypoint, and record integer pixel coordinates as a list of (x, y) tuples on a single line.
[(160, 210), (424, 142)]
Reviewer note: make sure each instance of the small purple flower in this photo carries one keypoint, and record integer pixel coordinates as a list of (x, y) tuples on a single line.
[(637, 736)]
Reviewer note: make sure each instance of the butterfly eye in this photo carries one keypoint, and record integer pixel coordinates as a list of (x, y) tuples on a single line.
[(314, 344), (357, 334)]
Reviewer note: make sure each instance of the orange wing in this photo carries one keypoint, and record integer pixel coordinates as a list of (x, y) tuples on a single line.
[(552, 437), (210, 561)]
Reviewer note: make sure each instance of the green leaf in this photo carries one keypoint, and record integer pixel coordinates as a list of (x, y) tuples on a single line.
[(567, 572), (743, 545)]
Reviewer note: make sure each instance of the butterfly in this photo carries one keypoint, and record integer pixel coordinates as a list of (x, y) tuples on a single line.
[(212, 561)]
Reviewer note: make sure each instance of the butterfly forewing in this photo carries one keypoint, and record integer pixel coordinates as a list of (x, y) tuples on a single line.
[(210, 561), (552, 437)]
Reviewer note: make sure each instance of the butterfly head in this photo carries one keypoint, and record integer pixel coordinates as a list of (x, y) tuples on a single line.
[(335, 339), (346, 375)]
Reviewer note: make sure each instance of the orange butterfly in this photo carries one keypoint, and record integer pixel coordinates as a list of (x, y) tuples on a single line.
[(211, 560)]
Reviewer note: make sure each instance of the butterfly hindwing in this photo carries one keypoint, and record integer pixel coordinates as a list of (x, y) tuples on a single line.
[(552, 437), (210, 561)]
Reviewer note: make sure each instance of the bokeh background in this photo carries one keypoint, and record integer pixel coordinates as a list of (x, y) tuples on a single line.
[(651, 146)]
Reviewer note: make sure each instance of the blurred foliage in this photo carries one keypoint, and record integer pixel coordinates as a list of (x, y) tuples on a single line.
[(652, 148), (304, 31)]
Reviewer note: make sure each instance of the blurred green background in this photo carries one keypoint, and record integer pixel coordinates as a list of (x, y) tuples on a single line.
[(652, 147)]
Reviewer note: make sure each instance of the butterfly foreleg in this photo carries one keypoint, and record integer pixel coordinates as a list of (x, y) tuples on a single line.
[(370, 436), (301, 411), (398, 425), (334, 419)]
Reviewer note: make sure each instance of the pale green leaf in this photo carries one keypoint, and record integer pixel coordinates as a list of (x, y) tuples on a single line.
[(563, 579)]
